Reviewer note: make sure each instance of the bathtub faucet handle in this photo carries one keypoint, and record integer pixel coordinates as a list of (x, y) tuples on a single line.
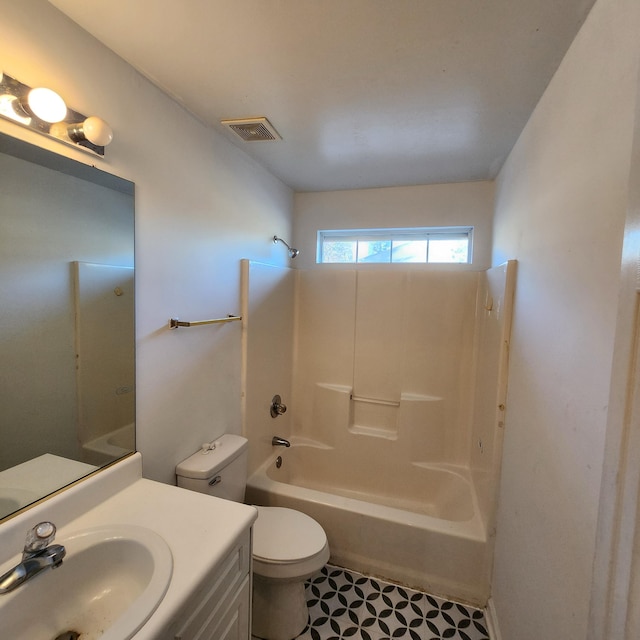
[(277, 408), (280, 442)]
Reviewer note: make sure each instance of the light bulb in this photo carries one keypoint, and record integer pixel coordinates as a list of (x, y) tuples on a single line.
[(8, 109), (97, 131), (46, 105)]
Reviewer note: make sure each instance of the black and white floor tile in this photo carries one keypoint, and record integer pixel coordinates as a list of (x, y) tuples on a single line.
[(347, 605)]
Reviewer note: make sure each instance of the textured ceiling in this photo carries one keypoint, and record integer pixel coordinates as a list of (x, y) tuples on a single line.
[(365, 93)]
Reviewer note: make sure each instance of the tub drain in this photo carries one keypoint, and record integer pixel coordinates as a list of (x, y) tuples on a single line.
[(68, 635), (278, 462)]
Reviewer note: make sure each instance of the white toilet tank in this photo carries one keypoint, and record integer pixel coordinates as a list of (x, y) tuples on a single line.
[(219, 468)]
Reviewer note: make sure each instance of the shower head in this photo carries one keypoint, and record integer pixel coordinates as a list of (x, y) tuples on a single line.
[(292, 252)]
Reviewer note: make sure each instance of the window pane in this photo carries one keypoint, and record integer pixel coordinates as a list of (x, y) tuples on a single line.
[(409, 251), (374, 251), (450, 250), (401, 245), (338, 251)]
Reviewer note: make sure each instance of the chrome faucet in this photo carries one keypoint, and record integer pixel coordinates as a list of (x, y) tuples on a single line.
[(280, 442), (38, 554)]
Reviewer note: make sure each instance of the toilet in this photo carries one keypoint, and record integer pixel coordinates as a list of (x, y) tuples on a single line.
[(288, 546)]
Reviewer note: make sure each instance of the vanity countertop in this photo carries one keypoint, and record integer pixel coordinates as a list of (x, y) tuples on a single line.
[(199, 529), (40, 476)]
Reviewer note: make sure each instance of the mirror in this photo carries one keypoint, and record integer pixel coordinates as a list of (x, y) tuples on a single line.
[(67, 369)]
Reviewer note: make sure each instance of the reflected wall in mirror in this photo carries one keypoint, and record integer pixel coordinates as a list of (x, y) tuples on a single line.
[(67, 374)]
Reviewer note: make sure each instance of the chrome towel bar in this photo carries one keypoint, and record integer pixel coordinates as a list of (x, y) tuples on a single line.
[(174, 323)]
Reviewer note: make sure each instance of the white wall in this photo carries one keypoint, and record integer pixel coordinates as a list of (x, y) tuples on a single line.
[(201, 206), (560, 211), (464, 203), (268, 313), (402, 336), (615, 601)]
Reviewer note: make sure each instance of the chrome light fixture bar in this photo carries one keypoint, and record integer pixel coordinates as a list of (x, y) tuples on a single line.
[(44, 111)]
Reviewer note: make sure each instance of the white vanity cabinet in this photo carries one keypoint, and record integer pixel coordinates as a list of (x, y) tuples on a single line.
[(220, 607), (208, 586)]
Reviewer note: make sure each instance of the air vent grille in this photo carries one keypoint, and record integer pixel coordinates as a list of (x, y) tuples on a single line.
[(253, 129)]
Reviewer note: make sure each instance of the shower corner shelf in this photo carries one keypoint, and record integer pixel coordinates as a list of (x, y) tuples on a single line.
[(374, 432)]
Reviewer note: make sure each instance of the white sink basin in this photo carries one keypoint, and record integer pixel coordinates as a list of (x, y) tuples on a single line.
[(110, 582)]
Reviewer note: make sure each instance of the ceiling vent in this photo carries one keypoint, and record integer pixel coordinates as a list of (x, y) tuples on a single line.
[(252, 129)]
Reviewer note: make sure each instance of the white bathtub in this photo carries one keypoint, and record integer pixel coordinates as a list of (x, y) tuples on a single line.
[(417, 524), (110, 446)]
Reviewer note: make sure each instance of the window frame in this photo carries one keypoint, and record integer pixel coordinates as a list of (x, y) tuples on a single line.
[(394, 234)]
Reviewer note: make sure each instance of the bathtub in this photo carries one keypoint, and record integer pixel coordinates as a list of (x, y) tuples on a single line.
[(417, 524), (110, 446)]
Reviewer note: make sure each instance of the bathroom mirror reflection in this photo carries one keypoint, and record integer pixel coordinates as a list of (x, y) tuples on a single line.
[(67, 373)]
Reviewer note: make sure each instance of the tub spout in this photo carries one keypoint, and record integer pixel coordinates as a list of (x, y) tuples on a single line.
[(280, 442)]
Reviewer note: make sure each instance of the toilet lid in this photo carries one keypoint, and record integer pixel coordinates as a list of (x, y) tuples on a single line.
[(285, 535)]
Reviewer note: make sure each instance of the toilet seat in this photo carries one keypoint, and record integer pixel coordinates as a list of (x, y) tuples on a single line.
[(283, 535), (287, 544)]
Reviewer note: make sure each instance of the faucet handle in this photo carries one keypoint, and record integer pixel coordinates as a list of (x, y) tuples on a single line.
[(40, 537), (277, 407)]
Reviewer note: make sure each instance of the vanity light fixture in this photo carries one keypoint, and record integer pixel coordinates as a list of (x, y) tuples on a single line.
[(44, 111), (45, 104), (93, 129)]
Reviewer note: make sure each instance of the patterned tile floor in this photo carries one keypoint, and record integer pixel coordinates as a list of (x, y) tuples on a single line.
[(344, 604)]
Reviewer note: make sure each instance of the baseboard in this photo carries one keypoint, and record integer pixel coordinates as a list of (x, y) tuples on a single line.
[(491, 618)]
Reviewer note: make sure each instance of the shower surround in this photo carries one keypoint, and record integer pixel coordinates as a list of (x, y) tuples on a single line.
[(397, 391)]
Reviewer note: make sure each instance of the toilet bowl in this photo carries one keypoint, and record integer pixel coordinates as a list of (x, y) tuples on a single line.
[(288, 546)]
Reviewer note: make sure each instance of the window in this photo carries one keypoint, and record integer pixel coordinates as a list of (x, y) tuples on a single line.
[(421, 244)]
